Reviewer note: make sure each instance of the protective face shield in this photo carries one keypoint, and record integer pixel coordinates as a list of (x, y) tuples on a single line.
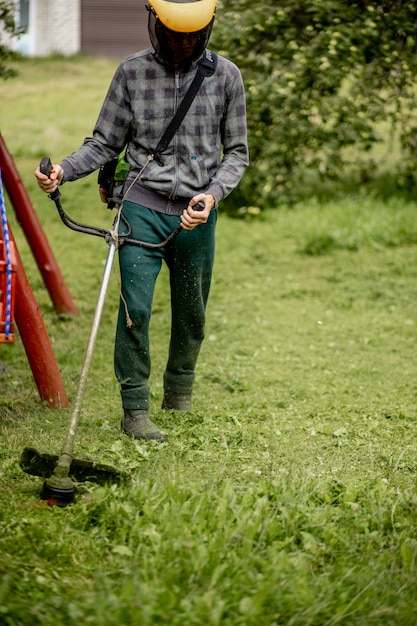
[(179, 30)]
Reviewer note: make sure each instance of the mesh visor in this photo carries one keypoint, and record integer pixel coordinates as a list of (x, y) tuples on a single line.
[(177, 49)]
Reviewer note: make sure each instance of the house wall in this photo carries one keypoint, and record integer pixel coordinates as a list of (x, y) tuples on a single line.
[(113, 28), (55, 26)]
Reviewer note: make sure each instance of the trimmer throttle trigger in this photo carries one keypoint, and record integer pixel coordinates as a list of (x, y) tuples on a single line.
[(45, 166)]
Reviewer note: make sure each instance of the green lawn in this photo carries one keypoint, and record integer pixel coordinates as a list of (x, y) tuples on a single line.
[(288, 497)]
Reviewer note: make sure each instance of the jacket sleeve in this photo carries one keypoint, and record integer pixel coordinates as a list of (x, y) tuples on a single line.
[(235, 157)]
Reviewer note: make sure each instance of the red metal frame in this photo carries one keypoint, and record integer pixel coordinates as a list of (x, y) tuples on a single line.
[(22, 306), (36, 341)]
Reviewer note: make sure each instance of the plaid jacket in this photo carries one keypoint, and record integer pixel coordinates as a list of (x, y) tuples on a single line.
[(209, 152)]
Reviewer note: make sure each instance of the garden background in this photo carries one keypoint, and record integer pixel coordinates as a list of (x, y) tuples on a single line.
[(288, 496)]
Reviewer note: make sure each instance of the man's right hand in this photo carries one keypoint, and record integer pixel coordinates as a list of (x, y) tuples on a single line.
[(48, 185)]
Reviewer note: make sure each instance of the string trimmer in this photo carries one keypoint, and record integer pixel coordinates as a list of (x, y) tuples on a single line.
[(59, 471)]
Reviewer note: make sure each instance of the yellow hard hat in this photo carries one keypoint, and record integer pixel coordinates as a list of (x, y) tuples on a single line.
[(184, 16)]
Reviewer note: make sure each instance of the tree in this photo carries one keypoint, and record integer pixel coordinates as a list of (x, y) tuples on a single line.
[(7, 25), (322, 76)]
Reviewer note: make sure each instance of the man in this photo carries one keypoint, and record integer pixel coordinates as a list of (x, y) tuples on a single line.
[(204, 161)]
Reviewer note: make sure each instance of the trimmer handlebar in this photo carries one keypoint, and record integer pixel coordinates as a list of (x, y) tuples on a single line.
[(46, 168)]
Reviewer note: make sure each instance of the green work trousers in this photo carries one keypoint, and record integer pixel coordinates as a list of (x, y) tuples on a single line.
[(189, 258)]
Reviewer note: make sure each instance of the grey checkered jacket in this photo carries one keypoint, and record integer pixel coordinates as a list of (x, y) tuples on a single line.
[(209, 152)]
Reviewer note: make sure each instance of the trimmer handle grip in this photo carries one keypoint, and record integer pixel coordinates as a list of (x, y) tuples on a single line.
[(45, 167)]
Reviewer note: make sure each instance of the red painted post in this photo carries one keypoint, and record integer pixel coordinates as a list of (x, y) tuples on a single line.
[(36, 341), (34, 233)]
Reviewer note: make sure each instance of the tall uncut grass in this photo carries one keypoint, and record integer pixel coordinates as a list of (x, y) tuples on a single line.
[(288, 496)]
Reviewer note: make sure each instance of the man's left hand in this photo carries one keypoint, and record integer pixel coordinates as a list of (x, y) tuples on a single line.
[(193, 216)]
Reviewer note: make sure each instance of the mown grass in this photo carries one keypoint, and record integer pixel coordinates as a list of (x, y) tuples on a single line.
[(289, 495)]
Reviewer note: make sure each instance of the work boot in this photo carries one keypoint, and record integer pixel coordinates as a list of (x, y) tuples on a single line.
[(177, 401), (137, 424)]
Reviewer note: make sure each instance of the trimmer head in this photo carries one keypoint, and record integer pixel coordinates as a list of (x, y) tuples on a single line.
[(56, 496), (41, 463)]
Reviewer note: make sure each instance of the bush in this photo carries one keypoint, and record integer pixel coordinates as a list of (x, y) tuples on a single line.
[(321, 77)]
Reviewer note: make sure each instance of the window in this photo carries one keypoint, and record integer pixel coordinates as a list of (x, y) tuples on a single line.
[(23, 20)]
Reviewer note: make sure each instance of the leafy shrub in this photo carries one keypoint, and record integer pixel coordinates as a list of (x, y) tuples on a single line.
[(321, 76)]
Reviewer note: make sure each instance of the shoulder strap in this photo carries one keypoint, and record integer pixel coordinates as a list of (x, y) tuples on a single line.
[(206, 67)]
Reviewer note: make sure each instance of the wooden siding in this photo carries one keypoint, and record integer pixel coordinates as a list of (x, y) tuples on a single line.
[(113, 28)]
